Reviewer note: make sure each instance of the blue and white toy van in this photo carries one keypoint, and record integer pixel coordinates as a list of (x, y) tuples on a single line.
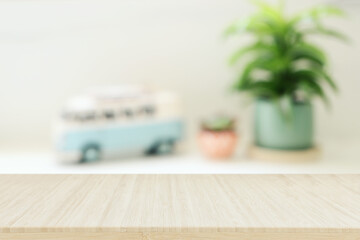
[(118, 121)]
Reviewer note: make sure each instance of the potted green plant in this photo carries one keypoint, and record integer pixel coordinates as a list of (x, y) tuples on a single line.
[(284, 71), (217, 137)]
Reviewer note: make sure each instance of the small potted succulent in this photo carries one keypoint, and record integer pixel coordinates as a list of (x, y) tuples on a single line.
[(217, 137), (283, 70)]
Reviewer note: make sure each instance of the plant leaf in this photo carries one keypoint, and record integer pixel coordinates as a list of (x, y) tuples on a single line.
[(320, 30), (256, 47), (309, 52), (315, 14), (311, 81)]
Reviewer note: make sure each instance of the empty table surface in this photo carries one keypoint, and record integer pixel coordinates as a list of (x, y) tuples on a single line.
[(179, 207)]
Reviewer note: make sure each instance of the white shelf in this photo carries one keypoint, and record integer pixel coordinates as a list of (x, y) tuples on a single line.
[(338, 157)]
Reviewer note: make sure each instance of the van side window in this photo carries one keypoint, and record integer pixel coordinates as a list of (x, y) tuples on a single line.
[(108, 114), (90, 116), (78, 117), (128, 113), (149, 110)]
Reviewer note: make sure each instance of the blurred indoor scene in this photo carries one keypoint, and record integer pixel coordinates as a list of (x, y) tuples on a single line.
[(163, 86)]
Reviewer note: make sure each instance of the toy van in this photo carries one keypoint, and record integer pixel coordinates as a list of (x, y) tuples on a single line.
[(118, 121)]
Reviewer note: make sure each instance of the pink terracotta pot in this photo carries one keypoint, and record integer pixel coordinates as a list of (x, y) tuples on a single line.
[(217, 144)]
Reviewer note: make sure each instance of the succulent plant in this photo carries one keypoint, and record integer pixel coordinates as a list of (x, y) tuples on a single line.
[(219, 123)]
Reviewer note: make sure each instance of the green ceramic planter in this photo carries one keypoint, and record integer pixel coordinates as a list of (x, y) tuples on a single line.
[(273, 130)]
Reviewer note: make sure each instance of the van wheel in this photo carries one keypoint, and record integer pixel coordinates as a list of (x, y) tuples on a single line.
[(90, 153), (161, 147)]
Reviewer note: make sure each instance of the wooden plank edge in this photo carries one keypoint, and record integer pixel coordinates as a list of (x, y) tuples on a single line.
[(179, 236)]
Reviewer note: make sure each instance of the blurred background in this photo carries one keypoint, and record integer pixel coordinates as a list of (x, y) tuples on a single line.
[(52, 50)]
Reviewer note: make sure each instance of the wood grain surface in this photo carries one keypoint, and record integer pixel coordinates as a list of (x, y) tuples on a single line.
[(159, 207)]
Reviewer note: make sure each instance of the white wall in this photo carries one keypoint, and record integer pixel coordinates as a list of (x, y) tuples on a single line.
[(50, 50)]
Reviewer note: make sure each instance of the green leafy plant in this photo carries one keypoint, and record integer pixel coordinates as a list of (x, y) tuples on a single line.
[(219, 123), (281, 61)]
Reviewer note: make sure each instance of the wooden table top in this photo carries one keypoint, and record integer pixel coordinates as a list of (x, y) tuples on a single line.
[(179, 206)]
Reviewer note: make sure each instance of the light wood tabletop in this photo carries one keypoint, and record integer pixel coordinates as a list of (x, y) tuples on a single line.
[(162, 207)]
